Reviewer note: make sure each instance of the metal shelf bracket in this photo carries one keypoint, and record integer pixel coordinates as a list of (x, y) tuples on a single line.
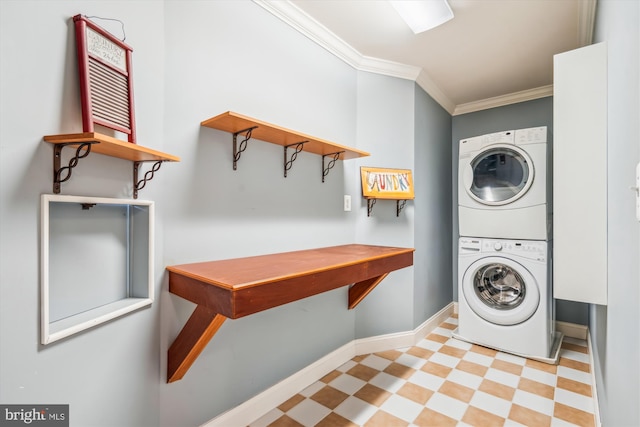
[(289, 162), (335, 157), (370, 203), (238, 150), (148, 176), (400, 204), (82, 151)]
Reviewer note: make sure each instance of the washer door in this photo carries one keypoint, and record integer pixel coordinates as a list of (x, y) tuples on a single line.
[(500, 291), (500, 174)]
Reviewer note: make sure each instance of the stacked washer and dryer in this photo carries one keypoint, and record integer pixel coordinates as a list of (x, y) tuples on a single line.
[(505, 298)]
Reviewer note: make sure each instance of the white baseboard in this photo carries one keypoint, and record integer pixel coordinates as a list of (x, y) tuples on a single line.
[(403, 339), (257, 406), (572, 330)]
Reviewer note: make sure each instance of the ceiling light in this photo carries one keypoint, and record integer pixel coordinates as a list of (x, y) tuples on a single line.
[(422, 15)]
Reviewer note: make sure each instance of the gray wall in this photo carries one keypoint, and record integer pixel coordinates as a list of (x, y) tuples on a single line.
[(615, 329), (194, 60), (538, 112), (433, 208), (110, 374)]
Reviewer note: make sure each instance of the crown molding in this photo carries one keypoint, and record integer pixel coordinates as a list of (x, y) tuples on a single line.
[(318, 33), (305, 24), (586, 21), (499, 101)]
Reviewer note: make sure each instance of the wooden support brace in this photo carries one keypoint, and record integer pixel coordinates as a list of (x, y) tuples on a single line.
[(359, 290), (192, 339)]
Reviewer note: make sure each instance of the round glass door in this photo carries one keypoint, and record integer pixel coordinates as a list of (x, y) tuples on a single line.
[(501, 175), (499, 286), (500, 290)]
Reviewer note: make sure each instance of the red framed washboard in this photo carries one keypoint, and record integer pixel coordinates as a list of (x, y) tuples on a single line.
[(106, 81)]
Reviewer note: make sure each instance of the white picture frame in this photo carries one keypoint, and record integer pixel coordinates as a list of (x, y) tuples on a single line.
[(97, 261)]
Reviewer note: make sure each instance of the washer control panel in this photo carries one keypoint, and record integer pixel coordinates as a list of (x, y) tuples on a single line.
[(525, 248)]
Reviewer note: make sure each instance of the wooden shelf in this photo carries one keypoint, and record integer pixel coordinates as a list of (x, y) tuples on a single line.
[(239, 287), (111, 146), (236, 124), (88, 142)]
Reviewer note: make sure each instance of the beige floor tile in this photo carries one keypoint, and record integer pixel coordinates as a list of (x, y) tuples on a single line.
[(496, 389), (472, 368), (573, 415), (330, 376), (365, 373), (430, 418), (546, 367), (436, 369), (293, 401), (574, 364), (389, 354), (509, 367), (537, 388), (399, 370), (452, 351), (416, 393), (383, 419), (437, 338), (575, 347), (372, 394), (484, 350), (335, 420), (456, 391), (478, 417), (446, 325), (528, 417), (420, 352), (329, 397), (285, 421), (574, 386)]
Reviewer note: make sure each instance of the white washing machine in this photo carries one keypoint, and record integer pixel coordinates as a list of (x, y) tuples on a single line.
[(505, 299), (504, 185)]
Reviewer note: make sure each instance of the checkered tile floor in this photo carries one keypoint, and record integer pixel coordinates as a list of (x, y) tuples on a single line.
[(446, 382)]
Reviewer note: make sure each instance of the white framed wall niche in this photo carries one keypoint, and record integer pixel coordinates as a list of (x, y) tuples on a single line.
[(96, 261)]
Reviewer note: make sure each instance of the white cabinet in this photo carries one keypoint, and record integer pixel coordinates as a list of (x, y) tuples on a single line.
[(580, 175)]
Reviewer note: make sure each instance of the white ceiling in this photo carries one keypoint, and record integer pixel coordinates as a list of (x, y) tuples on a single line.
[(493, 52)]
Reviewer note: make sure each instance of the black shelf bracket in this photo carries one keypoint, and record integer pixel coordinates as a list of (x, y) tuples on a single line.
[(62, 174), (331, 164), (370, 203), (289, 162), (148, 176), (238, 150), (400, 204)]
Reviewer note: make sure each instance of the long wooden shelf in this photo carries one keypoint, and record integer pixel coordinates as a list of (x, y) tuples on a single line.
[(111, 146), (93, 142), (239, 287), (237, 124)]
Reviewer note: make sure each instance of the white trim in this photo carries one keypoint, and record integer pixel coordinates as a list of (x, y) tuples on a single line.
[(587, 16), (254, 408), (596, 405), (403, 339), (508, 99), (56, 330), (572, 330), (305, 24)]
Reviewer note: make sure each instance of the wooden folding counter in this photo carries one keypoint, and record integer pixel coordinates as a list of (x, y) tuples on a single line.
[(238, 287)]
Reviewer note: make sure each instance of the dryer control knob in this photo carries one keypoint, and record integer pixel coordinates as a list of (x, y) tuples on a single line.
[(497, 246)]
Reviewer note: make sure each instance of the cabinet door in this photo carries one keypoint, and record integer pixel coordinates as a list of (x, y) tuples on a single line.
[(580, 175)]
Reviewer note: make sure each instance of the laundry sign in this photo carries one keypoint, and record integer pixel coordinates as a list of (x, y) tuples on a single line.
[(379, 183)]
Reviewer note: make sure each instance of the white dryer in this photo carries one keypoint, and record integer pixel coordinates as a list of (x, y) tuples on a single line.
[(504, 185), (505, 297)]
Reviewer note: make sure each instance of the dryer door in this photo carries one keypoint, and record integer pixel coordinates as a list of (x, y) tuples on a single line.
[(500, 290), (498, 175)]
